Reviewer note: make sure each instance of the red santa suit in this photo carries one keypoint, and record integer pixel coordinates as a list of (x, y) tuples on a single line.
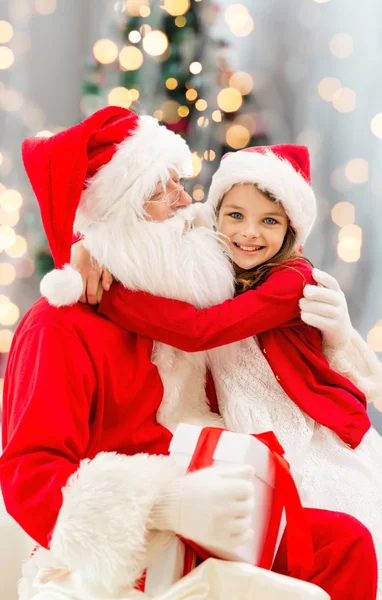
[(84, 453)]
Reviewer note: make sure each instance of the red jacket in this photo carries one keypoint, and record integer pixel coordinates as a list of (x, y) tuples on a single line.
[(272, 313), (76, 384)]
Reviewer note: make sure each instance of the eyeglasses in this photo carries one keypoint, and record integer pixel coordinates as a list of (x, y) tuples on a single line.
[(172, 197)]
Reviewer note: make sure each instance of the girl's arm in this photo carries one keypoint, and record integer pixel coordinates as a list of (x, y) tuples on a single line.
[(272, 305)]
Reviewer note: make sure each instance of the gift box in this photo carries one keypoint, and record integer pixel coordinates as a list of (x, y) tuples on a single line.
[(173, 562), (276, 495)]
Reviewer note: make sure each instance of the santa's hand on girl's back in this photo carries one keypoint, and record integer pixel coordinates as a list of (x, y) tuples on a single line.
[(324, 306), (95, 279)]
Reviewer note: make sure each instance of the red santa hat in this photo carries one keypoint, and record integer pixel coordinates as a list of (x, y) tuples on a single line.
[(106, 154), (283, 171)]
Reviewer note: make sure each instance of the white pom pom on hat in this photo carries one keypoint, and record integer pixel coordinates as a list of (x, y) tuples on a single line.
[(62, 287)]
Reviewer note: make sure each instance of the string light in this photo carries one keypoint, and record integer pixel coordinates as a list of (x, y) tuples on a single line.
[(237, 136), (341, 45), (209, 155), (328, 87), (191, 94), (201, 104), (6, 32), (229, 99), (134, 37), (203, 122), (239, 20), (376, 125), (7, 273), (176, 8), (242, 82), (105, 51), (374, 337), (7, 236), (196, 164), (344, 100), (180, 21), (183, 111), (6, 57), (195, 68), (119, 96), (217, 116), (357, 171), (6, 337), (171, 83), (11, 200), (130, 58), (343, 213), (155, 43), (45, 7), (170, 110), (18, 248)]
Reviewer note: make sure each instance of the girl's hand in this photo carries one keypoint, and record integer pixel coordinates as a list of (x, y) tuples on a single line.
[(324, 306), (95, 279)]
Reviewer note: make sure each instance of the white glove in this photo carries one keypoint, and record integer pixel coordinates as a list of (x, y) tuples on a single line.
[(324, 307), (212, 507)]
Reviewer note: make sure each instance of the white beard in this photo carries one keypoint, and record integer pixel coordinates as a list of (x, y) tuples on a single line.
[(174, 260)]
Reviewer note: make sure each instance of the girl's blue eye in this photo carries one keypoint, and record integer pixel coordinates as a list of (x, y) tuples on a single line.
[(236, 215), (270, 221)]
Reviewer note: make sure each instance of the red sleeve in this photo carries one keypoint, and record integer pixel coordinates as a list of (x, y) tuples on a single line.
[(272, 305), (48, 390)]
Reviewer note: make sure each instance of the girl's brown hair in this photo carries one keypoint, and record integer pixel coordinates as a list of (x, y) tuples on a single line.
[(251, 279)]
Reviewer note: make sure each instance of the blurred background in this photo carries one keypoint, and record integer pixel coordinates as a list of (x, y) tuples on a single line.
[(224, 74)]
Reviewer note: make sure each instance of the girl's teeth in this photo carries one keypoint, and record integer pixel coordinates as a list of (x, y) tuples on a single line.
[(249, 248)]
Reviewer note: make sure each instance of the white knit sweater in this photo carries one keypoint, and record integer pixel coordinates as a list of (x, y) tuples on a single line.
[(335, 477)]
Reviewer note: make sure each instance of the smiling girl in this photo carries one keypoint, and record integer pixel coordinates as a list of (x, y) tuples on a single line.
[(278, 377)]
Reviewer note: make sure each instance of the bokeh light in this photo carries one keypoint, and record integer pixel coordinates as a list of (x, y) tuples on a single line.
[(6, 32), (176, 8), (239, 20), (344, 100), (6, 337), (7, 273), (119, 96), (328, 87), (105, 51), (237, 136), (357, 171), (195, 68), (229, 100), (374, 337), (130, 58), (7, 236), (18, 248), (376, 125), (155, 43), (201, 104), (343, 213), (196, 164), (341, 45), (191, 94), (45, 7), (6, 57), (10, 200), (242, 82)]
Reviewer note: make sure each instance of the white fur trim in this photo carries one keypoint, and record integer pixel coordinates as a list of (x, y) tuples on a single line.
[(359, 363), (62, 287), (101, 530), (274, 176), (169, 258), (121, 187)]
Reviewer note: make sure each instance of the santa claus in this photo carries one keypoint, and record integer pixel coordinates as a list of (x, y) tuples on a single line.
[(89, 407)]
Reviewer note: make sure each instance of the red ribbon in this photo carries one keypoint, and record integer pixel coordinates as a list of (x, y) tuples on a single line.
[(299, 539)]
